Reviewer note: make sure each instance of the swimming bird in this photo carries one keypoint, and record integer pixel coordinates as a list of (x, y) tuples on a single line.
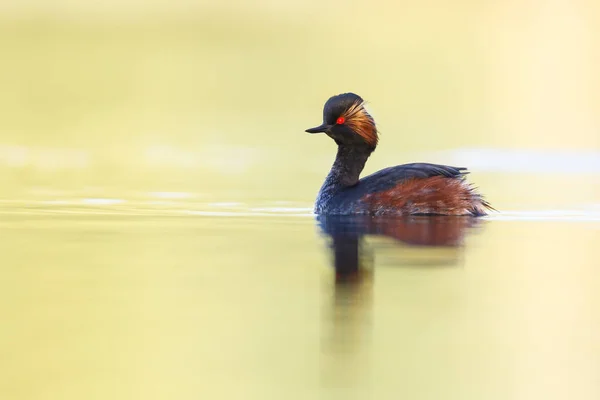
[(408, 189)]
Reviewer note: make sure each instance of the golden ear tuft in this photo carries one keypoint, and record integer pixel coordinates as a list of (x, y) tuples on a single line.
[(361, 122)]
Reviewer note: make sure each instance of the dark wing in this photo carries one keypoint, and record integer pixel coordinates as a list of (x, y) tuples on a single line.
[(389, 177)]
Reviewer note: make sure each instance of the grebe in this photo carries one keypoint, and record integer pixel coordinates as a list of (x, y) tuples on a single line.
[(408, 189)]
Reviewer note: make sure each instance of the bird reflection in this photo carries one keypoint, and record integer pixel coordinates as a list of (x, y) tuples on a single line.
[(415, 241), (418, 235)]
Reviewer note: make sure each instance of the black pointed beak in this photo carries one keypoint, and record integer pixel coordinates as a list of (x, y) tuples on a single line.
[(318, 129)]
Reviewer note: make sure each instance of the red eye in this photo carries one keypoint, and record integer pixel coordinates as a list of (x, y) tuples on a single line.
[(340, 120)]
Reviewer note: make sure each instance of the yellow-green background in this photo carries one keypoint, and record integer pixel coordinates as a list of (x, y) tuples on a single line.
[(205, 97), (129, 100)]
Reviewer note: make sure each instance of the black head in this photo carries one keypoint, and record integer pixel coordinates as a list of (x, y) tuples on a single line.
[(346, 121)]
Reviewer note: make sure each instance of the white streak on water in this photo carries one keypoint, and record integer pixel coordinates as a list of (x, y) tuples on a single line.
[(283, 210), (546, 215), (243, 214), (522, 161), (149, 207)]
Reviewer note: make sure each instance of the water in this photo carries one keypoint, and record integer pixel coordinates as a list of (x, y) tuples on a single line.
[(156, 188), (235, 301)]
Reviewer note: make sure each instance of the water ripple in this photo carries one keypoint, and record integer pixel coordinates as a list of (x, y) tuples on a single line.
[(188, 205)]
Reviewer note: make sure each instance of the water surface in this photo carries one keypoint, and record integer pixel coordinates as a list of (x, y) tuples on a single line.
[(271, 302), (156, 188)]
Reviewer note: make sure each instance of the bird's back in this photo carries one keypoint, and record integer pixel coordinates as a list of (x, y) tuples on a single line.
[(410, 189)]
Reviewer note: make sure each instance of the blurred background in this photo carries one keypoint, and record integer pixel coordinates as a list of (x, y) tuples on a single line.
[(156, 185), (124, 98)]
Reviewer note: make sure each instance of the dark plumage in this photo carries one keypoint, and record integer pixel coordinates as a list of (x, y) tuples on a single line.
[(418, 188)]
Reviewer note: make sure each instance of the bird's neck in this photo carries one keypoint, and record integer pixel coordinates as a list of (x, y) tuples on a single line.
[(345, 171)]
